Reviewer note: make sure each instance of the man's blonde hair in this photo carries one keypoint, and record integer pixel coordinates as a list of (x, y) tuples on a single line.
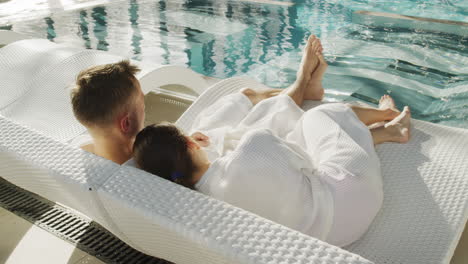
[(102, 92)]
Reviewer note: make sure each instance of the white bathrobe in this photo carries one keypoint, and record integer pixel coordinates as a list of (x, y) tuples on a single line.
[(315, 171)]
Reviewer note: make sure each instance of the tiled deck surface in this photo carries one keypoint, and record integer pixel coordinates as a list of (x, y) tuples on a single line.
[(22, 242)]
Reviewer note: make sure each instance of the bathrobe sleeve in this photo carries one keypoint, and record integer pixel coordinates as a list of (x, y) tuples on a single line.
[(219, 118)]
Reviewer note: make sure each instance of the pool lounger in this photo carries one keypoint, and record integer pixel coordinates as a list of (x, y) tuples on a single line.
[(425, 181)]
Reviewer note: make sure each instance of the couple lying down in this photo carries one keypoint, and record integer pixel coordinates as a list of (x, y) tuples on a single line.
[(316, 171)]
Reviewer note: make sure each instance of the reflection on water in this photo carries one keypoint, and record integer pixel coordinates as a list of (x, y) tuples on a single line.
[(83, 29), (50, 28), (455, 10), (100, 27), (222, 38), (136, 35)]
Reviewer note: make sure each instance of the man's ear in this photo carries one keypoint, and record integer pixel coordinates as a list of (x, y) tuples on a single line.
[(124, 124)]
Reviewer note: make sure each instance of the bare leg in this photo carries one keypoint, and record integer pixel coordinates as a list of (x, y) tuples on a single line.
[(397, 130), (386, 111), (257, 96), (308, 84), (386, 102), (372, 115), (309, 63)]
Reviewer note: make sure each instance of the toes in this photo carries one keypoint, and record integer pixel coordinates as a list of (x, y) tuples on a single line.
[(310, 40), (322, 60), (316, 45), (386, 97), (309, 43), (389, 98), (406, 119), (382, 99), (318, 48), (407, 110)]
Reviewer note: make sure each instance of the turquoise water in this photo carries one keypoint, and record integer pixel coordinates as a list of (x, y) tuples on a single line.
[(262, 39)]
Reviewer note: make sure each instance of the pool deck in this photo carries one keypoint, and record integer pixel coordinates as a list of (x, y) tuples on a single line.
[(27, 243)]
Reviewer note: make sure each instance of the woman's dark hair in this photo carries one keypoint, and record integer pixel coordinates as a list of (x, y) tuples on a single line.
[(163, 150)]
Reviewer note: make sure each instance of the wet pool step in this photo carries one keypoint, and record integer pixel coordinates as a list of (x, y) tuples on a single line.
[(383, 19)]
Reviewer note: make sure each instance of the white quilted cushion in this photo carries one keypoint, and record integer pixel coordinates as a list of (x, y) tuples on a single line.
[(52, 169), (45, 106), (166, 220), (22, 61), (426, 198), (36, 80)]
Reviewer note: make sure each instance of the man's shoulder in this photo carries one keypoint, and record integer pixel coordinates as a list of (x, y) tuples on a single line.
[(83, 141)]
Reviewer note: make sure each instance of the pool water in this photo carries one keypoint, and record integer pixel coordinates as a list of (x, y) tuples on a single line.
[(263, 39)]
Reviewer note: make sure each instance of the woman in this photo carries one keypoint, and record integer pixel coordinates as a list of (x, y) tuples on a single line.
[(315, 171)]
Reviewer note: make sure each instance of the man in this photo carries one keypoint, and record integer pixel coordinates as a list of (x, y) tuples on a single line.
[(109, 102)]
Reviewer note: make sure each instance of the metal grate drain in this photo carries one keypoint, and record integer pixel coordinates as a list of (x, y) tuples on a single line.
[(87, 235)]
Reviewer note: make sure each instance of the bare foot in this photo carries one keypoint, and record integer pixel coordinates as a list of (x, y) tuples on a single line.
[(386, 101), (399, 128), (388, 104), (308, 64), (309, 60), (315, 89), (257, 96), (321, 68)]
